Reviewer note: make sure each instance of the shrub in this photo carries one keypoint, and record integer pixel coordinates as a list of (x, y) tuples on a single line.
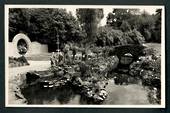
[(127, 38), (107, 36), (147, 35), (15, 62), (149, 51), (125, 26), (136, 36), (133, 37), (148, 64)]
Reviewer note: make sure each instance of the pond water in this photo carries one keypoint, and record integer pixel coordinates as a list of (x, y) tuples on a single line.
[(66, 94), (117, 94)]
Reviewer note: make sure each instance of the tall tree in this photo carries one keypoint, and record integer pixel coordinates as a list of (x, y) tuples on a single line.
[(89, 20)]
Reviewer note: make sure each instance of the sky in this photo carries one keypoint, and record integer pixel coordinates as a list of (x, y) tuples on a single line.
[(106, 10)]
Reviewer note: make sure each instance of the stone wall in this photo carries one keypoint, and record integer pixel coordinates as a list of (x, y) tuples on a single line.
[(37, 48)]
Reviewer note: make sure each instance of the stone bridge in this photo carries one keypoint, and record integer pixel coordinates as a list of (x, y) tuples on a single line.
[(135, 50)]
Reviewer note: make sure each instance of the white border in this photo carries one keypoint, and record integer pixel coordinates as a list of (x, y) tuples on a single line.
[(162, 105)]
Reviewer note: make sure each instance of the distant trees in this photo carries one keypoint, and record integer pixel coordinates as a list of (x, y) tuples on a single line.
[(45, 25), (128, 19), (118, 16)]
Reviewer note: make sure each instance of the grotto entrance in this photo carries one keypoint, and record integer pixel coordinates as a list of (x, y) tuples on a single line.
[(22, 46)]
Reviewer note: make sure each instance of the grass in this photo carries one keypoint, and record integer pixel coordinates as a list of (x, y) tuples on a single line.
[(156, 46)]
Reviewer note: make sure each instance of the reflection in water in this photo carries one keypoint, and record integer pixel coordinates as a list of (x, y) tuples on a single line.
[(37, 95), (66, 94), (117, 95)]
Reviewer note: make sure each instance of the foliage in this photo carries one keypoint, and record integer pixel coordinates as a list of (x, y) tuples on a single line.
[(45, 25), (15, 62), (157, 30), (48, 25), (146, 22), (106, 36), (147, 67), (149, 70), (149, 51), (98, 68), (128, 19), (116, 18), (89, 20), (17, 22), (125, 26), (135, 37)]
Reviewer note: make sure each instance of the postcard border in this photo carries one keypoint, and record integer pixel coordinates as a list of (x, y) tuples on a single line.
[(163, 102)]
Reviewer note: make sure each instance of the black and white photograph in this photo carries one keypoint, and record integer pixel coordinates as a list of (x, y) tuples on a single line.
[(106, 56)]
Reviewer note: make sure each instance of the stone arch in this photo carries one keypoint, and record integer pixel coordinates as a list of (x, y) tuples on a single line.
[(135, 50), (15, 41)]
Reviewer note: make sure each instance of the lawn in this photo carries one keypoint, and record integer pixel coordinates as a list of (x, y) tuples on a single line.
[(156, 46)]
